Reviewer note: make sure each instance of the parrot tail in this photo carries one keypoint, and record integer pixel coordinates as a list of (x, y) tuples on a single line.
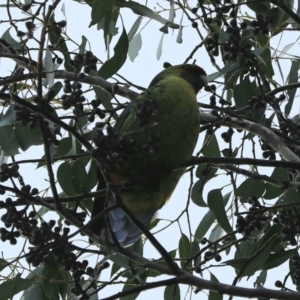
[(123, 229)]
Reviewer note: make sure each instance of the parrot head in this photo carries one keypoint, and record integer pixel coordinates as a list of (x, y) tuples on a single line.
[(193, 74)]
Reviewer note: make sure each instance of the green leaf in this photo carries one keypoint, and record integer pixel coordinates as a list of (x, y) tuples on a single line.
[(9, 39), (8, 118), (204, 225), (145, 11), (82, 46), (290, 196), (8, 143), (153, 223), (114, 269), (50, 291), (128, 286), (229, 153), (100, 9), (259, 6), (3, 264), (120, 260), (215, 234), (248, 259), (135, 46), (172, 292), (108, 25), (105, 98), (111, 66), (26, 137), (273, 191), (55, 89), (196, 250), (216, 205), (197, 191), (91, 178), (211, 148), (246, 249), (204, 173), (243, 91), (265, 55), (79, 175), (277, 259), (280, 20), (185, 251), (91, 290), (134, 28), (272, 233), (64, 149), (229, 68), (293, 78), (49, 281), (250, 187), (11, 287), (35, 291), (261, 279), (159, 48), (257, 262), (64, 174)]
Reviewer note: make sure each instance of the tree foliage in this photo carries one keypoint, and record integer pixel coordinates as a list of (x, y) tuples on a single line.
[(62, 98)]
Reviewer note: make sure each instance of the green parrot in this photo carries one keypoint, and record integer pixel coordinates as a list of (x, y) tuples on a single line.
[(160, 128)]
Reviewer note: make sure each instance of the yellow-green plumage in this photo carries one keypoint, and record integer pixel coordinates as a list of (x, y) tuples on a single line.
[(173, 129)]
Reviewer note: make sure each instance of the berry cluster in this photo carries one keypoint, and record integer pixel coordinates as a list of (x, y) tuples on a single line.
[(25, 116), (226, 136), (268, 151), (73, 97), (151, 144), (8, 172), (261, 24), (58, 26), (220, 9), (289, 220), (45, 239), (212, 44), (235, 44), (112, 149), (18, 220), (208, 255), (87, 61), (254, 220), (257, 102), (212, 88), (97, 111), (145, 111), (284, 128)]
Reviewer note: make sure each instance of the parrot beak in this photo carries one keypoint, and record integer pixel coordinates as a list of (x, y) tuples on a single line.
[(204, 79)]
